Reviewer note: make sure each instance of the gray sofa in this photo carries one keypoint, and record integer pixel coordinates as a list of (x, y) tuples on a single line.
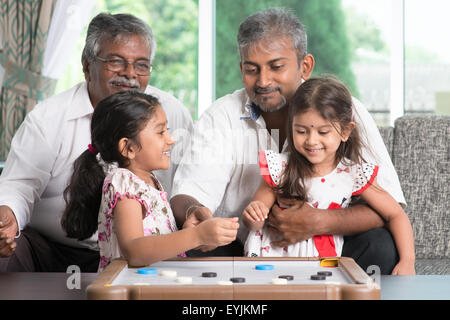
[(420, 150)]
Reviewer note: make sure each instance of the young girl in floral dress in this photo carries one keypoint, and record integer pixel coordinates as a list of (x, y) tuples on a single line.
[(114, 191), (324, 168)]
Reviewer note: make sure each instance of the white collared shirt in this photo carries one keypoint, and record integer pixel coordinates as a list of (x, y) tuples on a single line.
[(42, 153), (220, 166)]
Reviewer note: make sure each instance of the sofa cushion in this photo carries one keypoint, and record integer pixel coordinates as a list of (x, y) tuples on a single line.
[(432, 266), (421, 157), (387, 133)]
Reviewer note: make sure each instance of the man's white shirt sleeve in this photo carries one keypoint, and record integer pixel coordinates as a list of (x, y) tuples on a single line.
[(207, 164), (39, 164), (377, 153), (27, 169)]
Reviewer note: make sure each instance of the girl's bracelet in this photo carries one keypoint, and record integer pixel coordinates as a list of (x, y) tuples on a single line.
[(192, 209)]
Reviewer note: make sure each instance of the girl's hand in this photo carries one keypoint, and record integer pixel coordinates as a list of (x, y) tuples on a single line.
[(215, 232), (255, 212), (404, 268)]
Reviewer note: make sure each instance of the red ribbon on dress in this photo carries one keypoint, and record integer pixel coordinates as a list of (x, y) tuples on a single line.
[(325, 243)]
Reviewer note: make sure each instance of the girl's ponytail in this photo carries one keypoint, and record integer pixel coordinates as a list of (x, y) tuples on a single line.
[(122, 114), (83, 196)]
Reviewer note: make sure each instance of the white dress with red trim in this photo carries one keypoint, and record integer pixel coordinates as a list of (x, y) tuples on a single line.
[(157, 219), (332, 191)]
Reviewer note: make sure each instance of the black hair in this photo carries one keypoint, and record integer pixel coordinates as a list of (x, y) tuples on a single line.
[(121, 115), (333, 101)]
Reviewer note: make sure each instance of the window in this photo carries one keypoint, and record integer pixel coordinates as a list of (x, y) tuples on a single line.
[(369, 29), (348, 38), (427, 57), (391, 54)]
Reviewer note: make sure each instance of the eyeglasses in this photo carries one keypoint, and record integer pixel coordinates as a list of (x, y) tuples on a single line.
[(141, 68)]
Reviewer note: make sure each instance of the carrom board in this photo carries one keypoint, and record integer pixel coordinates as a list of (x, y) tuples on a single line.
[(347, 281)]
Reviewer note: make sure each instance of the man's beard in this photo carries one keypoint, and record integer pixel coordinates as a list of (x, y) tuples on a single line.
[(264, 108)]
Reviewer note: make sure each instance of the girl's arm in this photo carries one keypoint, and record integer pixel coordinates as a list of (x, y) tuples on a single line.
[(256, 212), (143, 250), (397, 222)]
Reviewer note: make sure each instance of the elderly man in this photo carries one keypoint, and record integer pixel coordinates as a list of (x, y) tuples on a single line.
[(117, 56), (219, 172)]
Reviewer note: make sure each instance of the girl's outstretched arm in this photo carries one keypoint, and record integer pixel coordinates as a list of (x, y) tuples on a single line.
[(143, 250), (398, 223), (256, 212)]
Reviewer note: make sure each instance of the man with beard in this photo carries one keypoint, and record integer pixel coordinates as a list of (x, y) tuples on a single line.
[(219, 172), (117, 56)]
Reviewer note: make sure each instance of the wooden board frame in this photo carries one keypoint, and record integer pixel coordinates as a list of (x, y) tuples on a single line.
[(362, 288)]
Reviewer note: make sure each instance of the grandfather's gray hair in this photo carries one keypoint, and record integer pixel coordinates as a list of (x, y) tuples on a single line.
[(269, 24), (114, 27)]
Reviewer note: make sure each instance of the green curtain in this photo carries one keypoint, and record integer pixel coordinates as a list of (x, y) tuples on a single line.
[(24, 25)]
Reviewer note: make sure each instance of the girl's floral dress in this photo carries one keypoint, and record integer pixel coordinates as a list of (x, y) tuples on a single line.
[(157, 220)]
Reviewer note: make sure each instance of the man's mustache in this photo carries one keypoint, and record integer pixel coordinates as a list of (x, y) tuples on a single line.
[(122, 81), (259, 90)]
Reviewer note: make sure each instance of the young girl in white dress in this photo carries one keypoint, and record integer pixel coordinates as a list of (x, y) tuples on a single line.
[(114, 191), (324, 168)]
